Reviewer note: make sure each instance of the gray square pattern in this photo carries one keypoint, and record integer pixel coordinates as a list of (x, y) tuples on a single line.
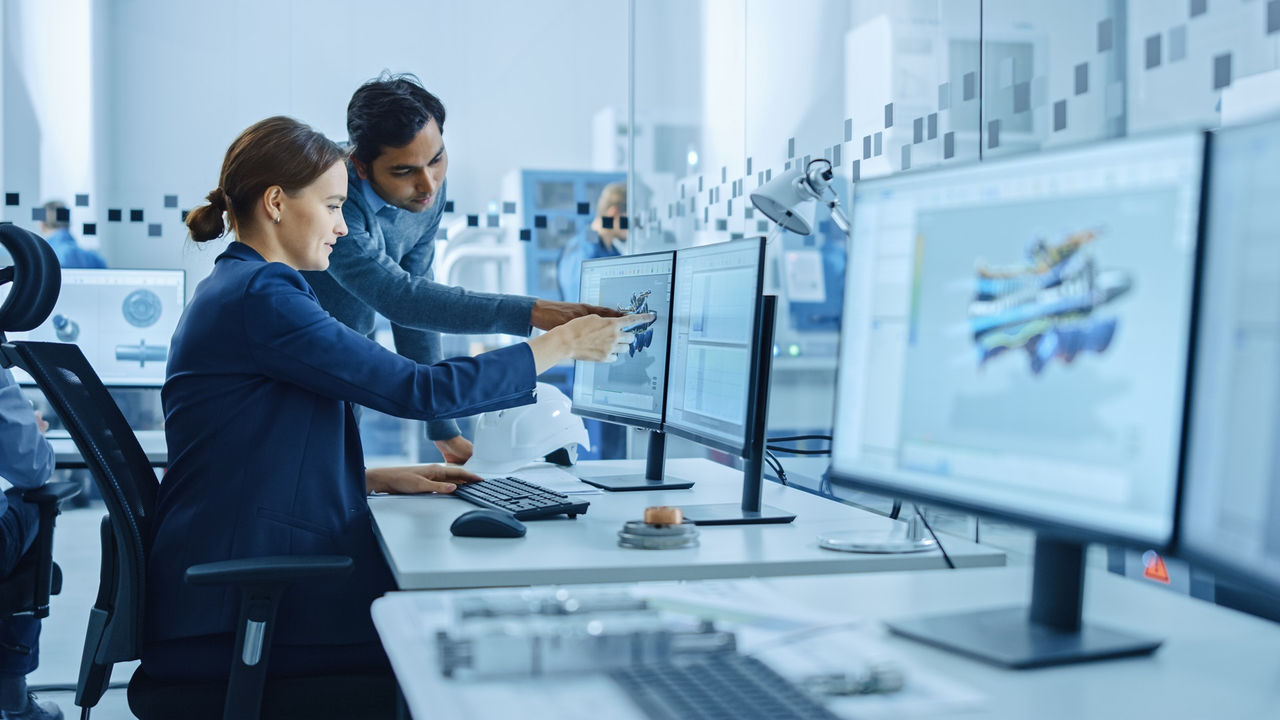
[(1177, 43), (1082, 78), (1106, 32), (1153, 51), (1060, 115), (993, 134), (1022, 97), (944, 93), (1273, 16), (970, 86), (1221, 71)]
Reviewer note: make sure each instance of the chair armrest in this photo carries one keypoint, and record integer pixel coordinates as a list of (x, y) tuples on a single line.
[(274, 569), (51, 492)]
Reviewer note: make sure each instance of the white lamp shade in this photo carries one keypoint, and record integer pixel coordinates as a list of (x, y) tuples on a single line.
[(784, 201)]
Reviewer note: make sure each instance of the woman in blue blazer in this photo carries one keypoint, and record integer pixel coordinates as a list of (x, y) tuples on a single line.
[(264, 450)]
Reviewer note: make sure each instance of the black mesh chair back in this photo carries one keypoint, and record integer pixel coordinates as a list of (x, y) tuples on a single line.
[(128, 486), (109, 448)]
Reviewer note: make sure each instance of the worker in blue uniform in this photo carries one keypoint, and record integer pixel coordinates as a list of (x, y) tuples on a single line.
[(264, 451), (26, 461)]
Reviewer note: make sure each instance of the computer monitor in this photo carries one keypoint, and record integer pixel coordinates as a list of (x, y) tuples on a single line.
[(718, 377), (1230, 509), (632, 390), (1015, 344), (123, 321)]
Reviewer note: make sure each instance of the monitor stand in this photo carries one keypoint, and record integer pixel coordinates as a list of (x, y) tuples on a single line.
[(1050, 632), (653, 478), (903, 536), (750, 511)]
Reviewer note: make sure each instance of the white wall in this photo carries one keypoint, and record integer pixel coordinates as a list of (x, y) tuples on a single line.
[(47, 116), (173, 81)]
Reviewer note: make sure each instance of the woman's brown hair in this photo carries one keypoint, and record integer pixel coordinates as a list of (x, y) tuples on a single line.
[(276, 151)]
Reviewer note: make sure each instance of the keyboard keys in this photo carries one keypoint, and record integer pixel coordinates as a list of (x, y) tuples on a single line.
[(523, 499), (722, 686)]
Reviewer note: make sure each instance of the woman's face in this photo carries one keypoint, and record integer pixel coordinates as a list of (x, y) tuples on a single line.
[(311, 221)]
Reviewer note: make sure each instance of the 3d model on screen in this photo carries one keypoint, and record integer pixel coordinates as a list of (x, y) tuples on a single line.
[(1049, 306), (142, 308), (141, 353), (65, 328), (643, 333)]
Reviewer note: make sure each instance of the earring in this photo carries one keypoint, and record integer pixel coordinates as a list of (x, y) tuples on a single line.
[(277, 220)]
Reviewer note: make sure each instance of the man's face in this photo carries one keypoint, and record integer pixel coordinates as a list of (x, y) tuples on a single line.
[(409, 177)]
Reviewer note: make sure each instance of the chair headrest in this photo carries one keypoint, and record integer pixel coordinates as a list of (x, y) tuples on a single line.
[(36, 278)]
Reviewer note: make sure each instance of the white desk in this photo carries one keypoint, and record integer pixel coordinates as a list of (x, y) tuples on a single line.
[(1215, 663), (414, 532), (66, 455)]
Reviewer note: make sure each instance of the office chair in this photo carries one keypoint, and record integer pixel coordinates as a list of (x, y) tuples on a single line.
[(128, 486), (26, 590)]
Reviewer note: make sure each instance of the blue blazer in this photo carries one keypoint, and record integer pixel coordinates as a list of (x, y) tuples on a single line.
[(264, 451)]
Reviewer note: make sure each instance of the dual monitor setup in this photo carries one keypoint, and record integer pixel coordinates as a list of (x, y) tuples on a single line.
[(1082, 341), (699, 371)]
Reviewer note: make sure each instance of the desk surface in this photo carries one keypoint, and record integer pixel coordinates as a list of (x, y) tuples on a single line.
[(66, 455), (414, 532), (1215, 662)]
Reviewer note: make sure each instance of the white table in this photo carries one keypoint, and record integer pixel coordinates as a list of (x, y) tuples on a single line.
[(1215, 663), (66, 455), (414, 532)]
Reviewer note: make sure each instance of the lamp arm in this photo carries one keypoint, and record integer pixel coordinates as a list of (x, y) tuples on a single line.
[(837, 214)]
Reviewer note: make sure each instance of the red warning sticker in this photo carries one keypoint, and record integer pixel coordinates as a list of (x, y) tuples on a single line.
[(1154, 568)]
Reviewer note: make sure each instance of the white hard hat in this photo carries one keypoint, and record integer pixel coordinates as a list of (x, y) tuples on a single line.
[(510, 439)]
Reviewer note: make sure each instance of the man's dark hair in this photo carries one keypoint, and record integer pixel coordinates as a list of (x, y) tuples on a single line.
[(389, 111)]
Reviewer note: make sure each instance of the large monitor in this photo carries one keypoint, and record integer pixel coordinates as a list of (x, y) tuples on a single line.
[(631, 391), (1015, 344), (123, 321), (1230, 512), (718, 378)]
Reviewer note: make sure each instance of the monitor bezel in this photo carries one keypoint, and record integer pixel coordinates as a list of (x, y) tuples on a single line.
[(1047, 526), (622, 418), (744, 449), (144, 385), (1220, 563)]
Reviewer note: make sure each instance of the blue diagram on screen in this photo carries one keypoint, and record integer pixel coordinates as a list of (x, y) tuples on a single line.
[(1050, 306), (642, 334)]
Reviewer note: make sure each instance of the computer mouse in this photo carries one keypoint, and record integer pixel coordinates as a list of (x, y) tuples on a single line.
[(487, 523)]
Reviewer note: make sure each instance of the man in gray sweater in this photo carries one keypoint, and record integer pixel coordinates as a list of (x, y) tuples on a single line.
[(395, 198)]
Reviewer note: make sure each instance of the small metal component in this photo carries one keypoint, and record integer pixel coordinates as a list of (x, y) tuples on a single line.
[(646, 536), (879, 677)]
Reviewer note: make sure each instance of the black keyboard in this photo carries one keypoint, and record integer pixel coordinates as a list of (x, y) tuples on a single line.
[(520, 498), (721, 686)]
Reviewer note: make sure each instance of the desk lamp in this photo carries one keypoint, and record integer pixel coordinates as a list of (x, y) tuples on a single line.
[(791, 201)]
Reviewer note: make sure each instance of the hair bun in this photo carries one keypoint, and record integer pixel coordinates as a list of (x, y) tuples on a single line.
[(218, 199)]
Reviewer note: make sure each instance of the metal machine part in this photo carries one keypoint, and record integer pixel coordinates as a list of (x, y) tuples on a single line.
[(544, 632), (142, 308)]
